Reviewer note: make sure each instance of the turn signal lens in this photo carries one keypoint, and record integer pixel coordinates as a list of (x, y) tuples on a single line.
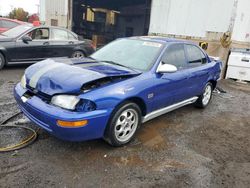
[(72, 123)]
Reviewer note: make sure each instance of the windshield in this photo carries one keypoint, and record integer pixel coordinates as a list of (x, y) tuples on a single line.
[(16, 31), (132, 53)]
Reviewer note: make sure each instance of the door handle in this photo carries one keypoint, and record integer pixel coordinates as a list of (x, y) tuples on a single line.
[(71, 42), (46, 43)]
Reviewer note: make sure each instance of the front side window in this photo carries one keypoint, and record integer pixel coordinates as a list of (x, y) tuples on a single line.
[(175, 55), (132, 53), (39, 34), (195, 55)]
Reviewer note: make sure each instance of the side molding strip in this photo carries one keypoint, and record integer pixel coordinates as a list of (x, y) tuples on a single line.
[(167, 109)]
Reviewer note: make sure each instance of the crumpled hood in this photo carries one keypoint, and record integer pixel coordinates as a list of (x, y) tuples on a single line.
[(54, 76)]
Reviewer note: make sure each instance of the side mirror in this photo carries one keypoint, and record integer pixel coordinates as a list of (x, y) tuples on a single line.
[(166, 68), (26, 39)]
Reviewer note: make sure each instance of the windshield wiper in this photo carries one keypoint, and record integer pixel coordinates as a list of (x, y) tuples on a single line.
[(114, 63)]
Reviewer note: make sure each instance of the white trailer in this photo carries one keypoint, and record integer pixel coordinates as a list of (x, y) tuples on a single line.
[(201, 18)]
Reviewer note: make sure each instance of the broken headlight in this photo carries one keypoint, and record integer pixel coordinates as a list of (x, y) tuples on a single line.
[(23, 82), (72, 102), (85, 106)]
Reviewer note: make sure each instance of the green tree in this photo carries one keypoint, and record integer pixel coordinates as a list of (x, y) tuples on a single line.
[(19, 14)]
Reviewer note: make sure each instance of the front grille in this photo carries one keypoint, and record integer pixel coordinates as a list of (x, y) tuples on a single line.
[(33, 92)]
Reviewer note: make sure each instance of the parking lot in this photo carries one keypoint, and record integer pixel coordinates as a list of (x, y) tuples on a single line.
[(186, 148)]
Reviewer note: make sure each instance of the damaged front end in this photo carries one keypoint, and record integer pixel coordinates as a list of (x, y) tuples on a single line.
[(47, 82), (103, 82)]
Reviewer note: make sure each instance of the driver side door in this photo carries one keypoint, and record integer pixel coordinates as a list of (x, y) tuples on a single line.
[(172, 87), (34, 50)]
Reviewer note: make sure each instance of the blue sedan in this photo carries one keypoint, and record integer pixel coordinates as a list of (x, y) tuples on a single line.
[(111, 93)]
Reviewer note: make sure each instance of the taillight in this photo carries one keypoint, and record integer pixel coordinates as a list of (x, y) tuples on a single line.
[(93, 45)]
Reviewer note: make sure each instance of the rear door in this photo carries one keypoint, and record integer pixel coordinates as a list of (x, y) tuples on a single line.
[(198, 69), (62, 42), (172, 87), (34, 50)]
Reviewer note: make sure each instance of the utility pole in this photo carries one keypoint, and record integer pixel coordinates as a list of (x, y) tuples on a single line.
[(233, 16)]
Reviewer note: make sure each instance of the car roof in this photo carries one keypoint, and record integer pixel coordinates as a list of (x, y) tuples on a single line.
[(161, 39), (56, 27), (12, 20)]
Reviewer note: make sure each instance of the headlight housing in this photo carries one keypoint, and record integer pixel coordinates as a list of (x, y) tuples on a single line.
[(71, 102), (65, 101), (85, 106), (23, 82)]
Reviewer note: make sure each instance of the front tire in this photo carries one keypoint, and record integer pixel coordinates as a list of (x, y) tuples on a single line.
[(2, 61), (123, 124), (205, 98)]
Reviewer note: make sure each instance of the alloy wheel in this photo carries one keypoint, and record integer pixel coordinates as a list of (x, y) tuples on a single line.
[(126, 125), (207, 95), (78, 54)]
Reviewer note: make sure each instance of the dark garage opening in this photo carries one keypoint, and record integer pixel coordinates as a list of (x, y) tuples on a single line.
[(105, 20)]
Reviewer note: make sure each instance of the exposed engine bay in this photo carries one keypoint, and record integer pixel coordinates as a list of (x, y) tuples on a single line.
[(102, 82)]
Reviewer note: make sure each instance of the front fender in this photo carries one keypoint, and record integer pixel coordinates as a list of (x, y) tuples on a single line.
[(112, 95)]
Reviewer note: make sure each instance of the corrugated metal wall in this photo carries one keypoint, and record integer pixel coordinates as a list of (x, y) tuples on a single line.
[(190, 17), (56, 10), (241, 31)]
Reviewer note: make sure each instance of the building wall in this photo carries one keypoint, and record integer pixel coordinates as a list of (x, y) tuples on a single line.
[(241, 31), (54, 10), (190, 17)]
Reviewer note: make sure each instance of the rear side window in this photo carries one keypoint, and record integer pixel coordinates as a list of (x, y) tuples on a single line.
[(59, 34), (175, 55), (8, 24), (71, 36), (195, 55)]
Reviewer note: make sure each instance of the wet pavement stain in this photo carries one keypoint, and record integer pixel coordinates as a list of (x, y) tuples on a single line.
[(150, 135)]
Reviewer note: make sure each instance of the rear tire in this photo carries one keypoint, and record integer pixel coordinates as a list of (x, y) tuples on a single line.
[(123, 124), (78, 54), (2, 61), (205, 98)]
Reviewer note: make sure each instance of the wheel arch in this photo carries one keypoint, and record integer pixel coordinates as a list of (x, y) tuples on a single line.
[(3, 53), (4, 56), (214, 83), (79, 50), (137, 100)]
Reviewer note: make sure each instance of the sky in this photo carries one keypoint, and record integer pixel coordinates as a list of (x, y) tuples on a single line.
[(28, 5)]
